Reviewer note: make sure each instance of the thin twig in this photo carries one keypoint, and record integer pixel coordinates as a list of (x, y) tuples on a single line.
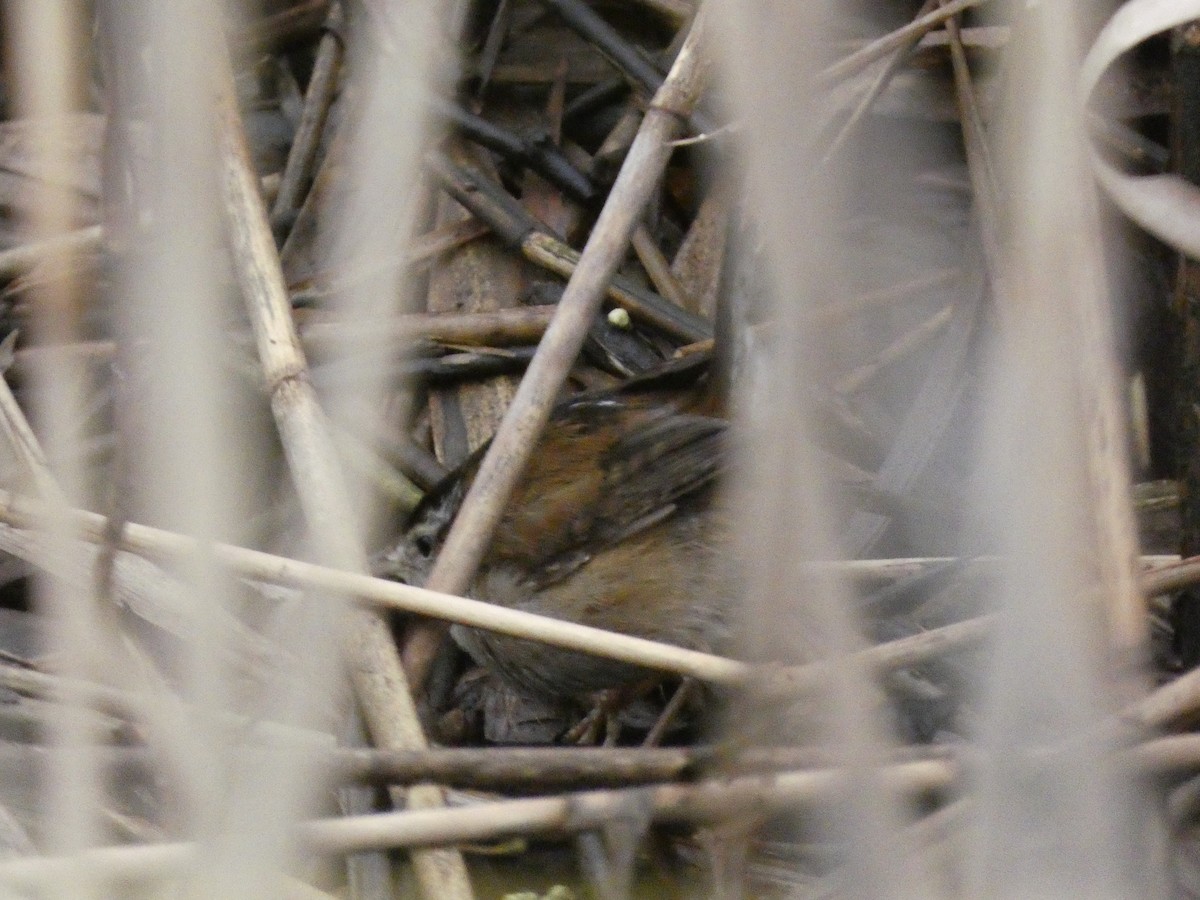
[(659, 269), (894, 40), (670, 712), (317, 100), (499, 768), (497, 32), (542, 157), (259, 566), (1174, 576)]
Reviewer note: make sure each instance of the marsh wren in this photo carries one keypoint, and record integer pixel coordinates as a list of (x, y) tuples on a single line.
[(617, 523)]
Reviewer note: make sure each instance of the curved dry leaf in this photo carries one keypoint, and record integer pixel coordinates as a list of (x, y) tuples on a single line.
[(1167, 206)]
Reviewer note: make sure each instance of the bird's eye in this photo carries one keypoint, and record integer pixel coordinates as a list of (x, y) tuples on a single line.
[(424, 545)]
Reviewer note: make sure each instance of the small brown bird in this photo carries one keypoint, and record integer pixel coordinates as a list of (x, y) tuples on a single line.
[(616, 524)]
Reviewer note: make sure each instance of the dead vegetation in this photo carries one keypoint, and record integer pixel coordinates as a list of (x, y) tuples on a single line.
[(599, 449)]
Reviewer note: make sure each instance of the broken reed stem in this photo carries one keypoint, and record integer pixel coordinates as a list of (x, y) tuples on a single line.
[(495, 768), (710, 801), (607, 40), (509, 451), (579, 768), (1173, 576), (521, 768), (545, 769), (632, 64), (375, 671)]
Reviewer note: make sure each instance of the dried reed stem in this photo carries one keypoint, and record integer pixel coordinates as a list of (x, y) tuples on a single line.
[(568, 814), (259, 566), (376, 674)]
